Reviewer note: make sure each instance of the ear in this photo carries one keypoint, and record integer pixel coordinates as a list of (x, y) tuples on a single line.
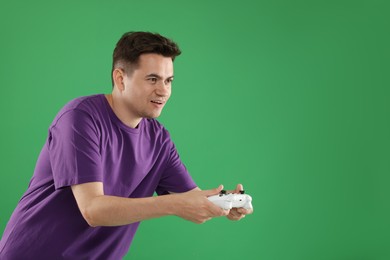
[(118, 76)]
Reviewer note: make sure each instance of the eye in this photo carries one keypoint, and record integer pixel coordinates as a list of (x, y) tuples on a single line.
[(152, 80), (169, 80)]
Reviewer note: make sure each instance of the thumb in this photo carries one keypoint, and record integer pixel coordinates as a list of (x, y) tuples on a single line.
[(239, 188), (212, 192)]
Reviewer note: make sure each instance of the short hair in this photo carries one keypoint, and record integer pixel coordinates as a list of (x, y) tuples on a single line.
[(132, 44)]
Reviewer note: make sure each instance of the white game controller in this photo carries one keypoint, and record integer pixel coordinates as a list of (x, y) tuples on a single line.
[(231, 200)]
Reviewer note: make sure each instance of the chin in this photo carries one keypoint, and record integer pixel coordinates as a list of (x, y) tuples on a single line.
[(152, 116)]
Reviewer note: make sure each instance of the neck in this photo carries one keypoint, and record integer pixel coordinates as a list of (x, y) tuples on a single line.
[(121, 112)]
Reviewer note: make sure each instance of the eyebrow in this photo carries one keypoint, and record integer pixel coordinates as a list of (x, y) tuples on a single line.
[(157, 76)]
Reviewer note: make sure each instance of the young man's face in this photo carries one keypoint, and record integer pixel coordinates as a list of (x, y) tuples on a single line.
[(148, 88)]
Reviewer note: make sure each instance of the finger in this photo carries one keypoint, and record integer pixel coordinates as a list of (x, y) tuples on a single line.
[(234, 213), (216, 211), (212, 192), (225, 212), (235, 216), (245, 211), (239, 188)]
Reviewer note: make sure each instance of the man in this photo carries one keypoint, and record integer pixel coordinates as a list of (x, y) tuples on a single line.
[(104, 157)]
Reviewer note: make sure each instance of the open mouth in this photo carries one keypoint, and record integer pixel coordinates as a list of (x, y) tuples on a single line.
[(158, 102)]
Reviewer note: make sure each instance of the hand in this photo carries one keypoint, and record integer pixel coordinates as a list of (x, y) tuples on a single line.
[(238, 213), (194, 205)]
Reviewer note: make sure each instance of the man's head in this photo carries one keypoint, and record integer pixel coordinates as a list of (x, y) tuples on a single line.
[(133, 44), (142, 75)]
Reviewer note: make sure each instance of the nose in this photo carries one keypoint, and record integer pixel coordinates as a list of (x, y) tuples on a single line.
[(163, 89)]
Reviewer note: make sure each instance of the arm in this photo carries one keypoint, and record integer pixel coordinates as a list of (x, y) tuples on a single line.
[(102, 210)]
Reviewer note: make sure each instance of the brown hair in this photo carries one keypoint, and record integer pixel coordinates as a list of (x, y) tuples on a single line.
[(132, 44)]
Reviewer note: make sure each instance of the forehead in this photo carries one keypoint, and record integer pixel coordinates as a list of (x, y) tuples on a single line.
[(155, 63)]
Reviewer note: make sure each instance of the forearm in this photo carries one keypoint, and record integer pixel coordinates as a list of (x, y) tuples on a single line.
[(102, 210), (115, 211)]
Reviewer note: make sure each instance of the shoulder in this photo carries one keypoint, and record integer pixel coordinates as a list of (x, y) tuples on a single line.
[(86, 105)]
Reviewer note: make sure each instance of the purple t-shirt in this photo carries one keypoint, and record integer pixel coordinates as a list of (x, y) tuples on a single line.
[(88, 143)]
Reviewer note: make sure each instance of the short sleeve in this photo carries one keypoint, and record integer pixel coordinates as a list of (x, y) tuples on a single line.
[(175, 177), (74, 150)]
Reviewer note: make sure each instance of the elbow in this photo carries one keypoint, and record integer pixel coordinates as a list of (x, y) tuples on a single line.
[(92, 223), (90, 217)]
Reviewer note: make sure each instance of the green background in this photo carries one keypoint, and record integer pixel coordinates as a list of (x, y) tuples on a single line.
[(290, 98)]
